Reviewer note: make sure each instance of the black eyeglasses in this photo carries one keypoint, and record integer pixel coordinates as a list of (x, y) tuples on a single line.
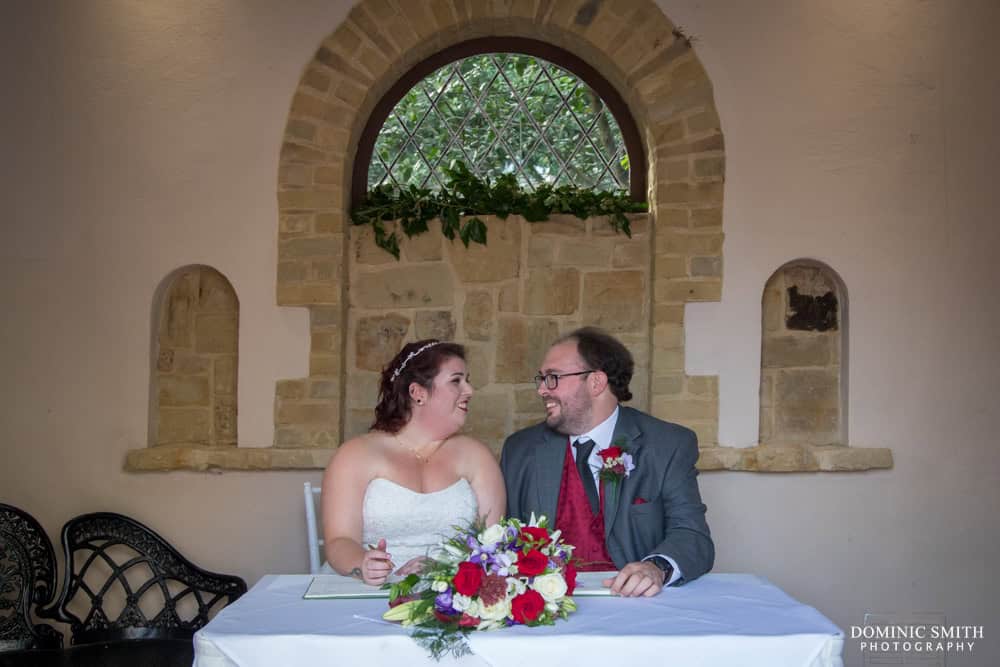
[(551, 380)]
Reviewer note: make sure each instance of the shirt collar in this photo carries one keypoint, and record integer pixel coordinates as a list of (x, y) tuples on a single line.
[(602, 433)]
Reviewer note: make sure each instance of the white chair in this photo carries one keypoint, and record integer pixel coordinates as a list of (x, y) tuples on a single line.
[(311, 495)]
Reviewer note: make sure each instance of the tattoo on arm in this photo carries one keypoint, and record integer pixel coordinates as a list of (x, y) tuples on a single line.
[(356, 573)]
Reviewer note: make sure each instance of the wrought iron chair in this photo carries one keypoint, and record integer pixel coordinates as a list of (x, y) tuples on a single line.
[(129, 597), (27, 580)]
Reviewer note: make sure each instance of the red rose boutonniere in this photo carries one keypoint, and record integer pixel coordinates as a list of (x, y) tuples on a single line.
[(616, 465), (616, 462)]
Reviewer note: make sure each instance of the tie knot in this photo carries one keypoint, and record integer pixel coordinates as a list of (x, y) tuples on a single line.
[(584, 446)]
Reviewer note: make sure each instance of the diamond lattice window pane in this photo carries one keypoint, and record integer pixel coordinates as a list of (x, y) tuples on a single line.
[(502, 113)]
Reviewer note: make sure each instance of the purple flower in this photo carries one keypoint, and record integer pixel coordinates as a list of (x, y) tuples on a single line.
[(628, 463), (443, 603), (501, 562), (482, 553)]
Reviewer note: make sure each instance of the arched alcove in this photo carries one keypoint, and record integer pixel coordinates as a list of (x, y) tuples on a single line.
[(196, 353), (803, 378)]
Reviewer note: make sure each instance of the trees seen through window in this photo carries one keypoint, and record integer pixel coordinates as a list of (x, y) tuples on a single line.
[(501, 113)]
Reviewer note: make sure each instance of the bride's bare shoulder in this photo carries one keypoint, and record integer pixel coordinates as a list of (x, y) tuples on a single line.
[(471, 448), (366, 447)]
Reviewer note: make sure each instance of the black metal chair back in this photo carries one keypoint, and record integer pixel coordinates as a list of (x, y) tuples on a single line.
[(123, 581), (27, 580)]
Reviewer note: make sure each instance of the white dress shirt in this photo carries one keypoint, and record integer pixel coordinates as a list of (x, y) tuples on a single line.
[(602, 434)]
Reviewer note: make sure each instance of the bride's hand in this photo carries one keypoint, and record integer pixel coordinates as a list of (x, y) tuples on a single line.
[(376, 565), (412, 566)]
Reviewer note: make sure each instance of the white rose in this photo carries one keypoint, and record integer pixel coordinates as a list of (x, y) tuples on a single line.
[(550, 586), (473, 609), (495, 612), (491, 535), (460, 602), (439, 586)]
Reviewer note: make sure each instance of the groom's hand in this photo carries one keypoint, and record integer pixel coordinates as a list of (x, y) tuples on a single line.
[(639, 579)]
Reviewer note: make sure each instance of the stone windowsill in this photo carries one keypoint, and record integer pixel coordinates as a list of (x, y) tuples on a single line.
[(762, 458), (209, 459), (794, 458)]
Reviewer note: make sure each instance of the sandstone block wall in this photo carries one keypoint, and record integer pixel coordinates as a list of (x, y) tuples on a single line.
[(505, 302)]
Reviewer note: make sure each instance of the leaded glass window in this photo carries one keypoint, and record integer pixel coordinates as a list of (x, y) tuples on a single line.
[(501, 113)]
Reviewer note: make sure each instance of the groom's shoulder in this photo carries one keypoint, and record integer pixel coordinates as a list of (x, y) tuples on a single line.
[(529, 434), (654, 426)]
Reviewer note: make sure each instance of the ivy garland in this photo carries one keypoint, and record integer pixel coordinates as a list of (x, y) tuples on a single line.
[(465, 194)]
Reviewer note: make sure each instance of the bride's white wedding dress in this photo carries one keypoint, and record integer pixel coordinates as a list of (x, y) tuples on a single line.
[(413, 523)]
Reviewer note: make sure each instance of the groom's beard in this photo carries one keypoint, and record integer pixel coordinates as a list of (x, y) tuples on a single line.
[(572, 416)]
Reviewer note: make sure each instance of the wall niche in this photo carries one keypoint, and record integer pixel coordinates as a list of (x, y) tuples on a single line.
[(803, 379)]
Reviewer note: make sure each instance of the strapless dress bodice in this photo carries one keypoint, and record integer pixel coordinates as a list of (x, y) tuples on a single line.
[(413, 523)]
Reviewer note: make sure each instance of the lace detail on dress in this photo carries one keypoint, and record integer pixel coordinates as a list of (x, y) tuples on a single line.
[(414, 523)]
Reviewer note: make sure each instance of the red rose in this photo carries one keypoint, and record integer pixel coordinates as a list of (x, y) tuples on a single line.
[(444, 618), (611, 452), (468, 579), (532, 563), (539, 535), (527, 606), (569, 574), (468, 621)]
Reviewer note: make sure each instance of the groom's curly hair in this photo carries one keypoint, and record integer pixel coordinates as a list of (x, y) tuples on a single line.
[(603, 352), (395, 406)]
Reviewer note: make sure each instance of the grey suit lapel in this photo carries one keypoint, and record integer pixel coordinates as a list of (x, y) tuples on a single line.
[(549, 457), (627, 430)]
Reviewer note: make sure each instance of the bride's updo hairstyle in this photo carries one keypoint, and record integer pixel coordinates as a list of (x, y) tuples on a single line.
[(417, 362)]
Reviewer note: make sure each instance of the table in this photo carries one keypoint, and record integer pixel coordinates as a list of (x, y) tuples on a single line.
[(719, 619)]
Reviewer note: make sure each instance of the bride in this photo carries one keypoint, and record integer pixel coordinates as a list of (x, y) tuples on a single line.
[(392, 494)]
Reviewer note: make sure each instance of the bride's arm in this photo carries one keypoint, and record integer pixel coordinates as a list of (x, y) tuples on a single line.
[(483, 473), (344, 484)]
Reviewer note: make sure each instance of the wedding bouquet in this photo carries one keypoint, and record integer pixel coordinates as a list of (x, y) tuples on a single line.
[(485, 578)]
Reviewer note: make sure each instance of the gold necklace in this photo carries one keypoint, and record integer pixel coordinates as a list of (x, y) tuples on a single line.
[(417, 455)]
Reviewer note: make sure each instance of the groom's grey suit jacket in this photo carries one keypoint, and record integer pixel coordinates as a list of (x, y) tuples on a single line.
[(658, 508)]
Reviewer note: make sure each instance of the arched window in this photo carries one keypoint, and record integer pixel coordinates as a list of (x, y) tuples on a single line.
[(502, 106)]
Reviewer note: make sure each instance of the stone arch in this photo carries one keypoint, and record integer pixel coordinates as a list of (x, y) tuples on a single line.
[(803, 375), (195, 352), (633, 45)]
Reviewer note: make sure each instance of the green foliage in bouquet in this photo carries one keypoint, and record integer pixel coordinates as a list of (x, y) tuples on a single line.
[(466, 194)]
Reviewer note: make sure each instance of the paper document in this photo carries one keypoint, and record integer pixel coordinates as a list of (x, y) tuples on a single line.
[(328, 586), (588, 584)]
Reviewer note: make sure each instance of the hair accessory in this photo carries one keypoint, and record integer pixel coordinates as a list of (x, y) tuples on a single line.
[(395, 373)]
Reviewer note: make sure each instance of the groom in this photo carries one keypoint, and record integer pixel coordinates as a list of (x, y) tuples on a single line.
[(649, 523)]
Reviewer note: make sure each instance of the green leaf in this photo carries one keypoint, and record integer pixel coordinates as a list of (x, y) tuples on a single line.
[(473, 230), (449, 222)]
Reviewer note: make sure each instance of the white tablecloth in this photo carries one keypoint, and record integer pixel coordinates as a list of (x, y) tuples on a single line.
[(720, 619)]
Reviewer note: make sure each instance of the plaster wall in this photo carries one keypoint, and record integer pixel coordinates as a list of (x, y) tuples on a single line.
[(140, 137)]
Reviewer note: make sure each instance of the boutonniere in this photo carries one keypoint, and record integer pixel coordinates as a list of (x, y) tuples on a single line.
[(616, 463)]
